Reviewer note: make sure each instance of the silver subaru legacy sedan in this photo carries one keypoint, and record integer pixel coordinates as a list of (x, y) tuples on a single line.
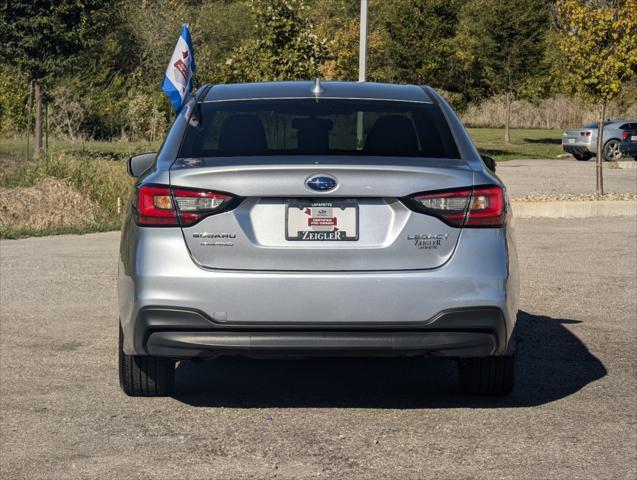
[(307, 218)]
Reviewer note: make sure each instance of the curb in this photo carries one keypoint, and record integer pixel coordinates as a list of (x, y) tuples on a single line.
[(575, 209), (623, 164)]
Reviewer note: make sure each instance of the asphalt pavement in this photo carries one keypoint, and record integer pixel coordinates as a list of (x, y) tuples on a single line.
[(571, 416), (557, 177)]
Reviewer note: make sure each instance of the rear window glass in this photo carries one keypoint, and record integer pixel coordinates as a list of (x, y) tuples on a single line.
[(594, 124), (323, 127)]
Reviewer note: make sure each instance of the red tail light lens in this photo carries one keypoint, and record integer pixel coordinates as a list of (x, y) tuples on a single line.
[(478, 207), (487, 208), (155, 206), (624, 135)]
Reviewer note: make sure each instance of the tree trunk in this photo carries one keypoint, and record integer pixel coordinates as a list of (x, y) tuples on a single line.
[(507, 123), (38, 120), (28, 157), (599, 186)]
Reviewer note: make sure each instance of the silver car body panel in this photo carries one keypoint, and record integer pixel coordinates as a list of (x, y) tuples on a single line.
[(262, 279), (389, 232), (156, 269)]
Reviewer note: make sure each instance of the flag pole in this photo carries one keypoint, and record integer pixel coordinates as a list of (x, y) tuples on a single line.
[(362, 54), (187, 25), (362, 70)]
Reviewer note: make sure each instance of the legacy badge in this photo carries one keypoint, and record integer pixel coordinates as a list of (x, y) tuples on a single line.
[(427, 241)]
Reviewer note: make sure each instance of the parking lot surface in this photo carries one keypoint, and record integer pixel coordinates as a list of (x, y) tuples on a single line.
[(571, 416), (532, 177)]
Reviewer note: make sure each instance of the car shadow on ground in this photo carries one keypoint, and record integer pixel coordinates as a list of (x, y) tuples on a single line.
[(493, 152), (545, 141), (552, 364)]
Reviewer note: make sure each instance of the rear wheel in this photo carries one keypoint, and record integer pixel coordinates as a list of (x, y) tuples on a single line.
[(612, 153), (583, 157), (144, 376), (488, 375)]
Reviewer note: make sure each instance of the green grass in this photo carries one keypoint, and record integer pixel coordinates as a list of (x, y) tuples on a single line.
[(16, 149), (11, 233), (95, 169), (525, 143)]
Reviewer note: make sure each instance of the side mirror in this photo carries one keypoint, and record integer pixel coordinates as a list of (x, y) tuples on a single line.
[(138, 164), (489, 162)]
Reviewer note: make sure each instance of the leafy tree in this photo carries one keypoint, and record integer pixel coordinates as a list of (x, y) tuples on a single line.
[(339, 22), (285, 47), (43, 39), (503, 45), (217, 28), (417, 37), (599, 42), (14, 101), (153, 27)]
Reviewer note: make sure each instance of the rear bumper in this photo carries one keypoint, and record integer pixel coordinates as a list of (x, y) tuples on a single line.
[(232, 308), (186, 334), (579, 149), (628, 148)]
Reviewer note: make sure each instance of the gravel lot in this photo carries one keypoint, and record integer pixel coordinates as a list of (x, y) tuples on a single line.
[(572, 414), (528, 177)]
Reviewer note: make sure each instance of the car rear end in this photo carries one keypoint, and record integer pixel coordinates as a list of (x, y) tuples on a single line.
[(321, 226), (580, 142), (628, 145)]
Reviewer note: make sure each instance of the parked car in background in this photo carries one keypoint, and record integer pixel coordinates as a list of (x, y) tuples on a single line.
[(299, 219), (582, 142), (628, 146)]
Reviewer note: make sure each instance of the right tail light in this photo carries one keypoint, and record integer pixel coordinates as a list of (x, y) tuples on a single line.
[(481, 206)]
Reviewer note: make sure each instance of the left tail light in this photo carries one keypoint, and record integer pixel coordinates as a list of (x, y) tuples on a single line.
[(625, 135), (482, 206), (160, 206)]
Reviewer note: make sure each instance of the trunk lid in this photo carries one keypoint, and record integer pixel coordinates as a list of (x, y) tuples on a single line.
[(266, 231), (578, 135)]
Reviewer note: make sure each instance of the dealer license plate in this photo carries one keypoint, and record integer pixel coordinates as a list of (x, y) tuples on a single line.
[(321, 220)]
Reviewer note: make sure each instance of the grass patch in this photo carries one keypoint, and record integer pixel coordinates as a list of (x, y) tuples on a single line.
[(84, 182), (525, 143), (16, 148), (12, 233), (99, 178)]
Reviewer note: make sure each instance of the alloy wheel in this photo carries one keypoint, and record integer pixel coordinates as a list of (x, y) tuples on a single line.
[(611, 151)]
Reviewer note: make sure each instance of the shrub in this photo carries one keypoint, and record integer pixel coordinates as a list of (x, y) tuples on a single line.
[(100, 179), (67, 113), (145, 119)]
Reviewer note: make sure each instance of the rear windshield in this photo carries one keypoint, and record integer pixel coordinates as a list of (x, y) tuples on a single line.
[(594, 125), (323, 127)]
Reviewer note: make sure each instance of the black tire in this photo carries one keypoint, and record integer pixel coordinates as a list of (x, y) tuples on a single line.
[(582, 157), (611, 151), (488, 375), (144, 376)]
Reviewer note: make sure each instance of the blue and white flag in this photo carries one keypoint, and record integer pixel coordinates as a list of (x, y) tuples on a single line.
[(178, 79)]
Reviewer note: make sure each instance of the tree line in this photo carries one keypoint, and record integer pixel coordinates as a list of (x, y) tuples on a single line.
[(95, 66)]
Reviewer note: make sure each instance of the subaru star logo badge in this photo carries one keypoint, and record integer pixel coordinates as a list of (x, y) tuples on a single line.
[(321, 183)]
